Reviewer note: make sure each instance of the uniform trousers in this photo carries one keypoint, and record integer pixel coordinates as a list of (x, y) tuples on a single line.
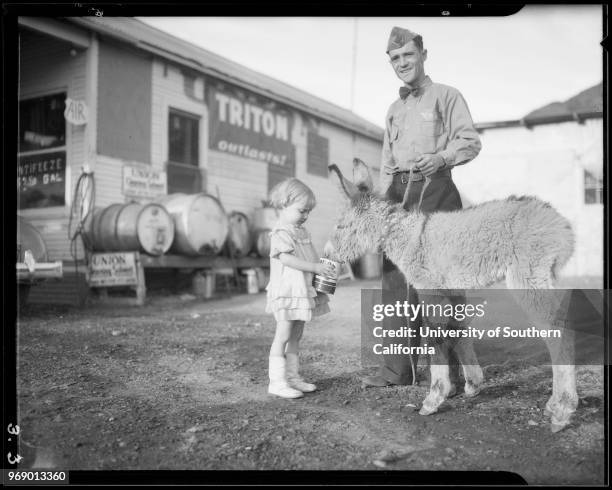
[(440, 195)]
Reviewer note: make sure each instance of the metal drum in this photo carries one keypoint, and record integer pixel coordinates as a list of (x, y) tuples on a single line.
[(124, 227), (200, 223), (264, 218), (327, 284), (239, 237), (103, 229), (262, 243)]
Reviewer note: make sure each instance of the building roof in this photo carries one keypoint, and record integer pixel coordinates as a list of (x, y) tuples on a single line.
[(166, 46), (589, 100), (587, 104)]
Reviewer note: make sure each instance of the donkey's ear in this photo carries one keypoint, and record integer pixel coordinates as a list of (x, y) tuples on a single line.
[(346, 186), (361, 175)]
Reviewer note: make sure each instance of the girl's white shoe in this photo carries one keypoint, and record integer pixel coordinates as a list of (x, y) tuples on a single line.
[(284, 391), (300, 384), (293, 378), (278, 382)]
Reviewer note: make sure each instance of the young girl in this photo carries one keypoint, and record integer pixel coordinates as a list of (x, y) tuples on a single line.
[(291, 297)]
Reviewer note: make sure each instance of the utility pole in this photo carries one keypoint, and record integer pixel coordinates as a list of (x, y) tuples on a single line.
[(354, 64)]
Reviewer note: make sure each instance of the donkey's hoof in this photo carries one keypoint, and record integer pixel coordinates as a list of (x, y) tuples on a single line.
[(551, 406), (452, 392), (559, 423), (561, 412), (470, 391), (428, 409)]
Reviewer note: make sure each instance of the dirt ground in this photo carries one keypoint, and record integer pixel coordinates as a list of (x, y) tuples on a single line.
[(181, 384)]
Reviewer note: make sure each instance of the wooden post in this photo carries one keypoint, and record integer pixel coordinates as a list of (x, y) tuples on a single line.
[(141, 288)]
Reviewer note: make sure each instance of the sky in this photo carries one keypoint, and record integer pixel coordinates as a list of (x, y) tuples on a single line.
[(505, 67)]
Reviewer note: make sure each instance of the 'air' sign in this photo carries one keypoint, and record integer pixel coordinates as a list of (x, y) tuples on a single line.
[(76, 112)]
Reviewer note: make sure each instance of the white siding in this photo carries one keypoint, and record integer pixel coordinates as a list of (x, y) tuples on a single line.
[(108, 176), (47, 66), (168, 92), (546, 161), (344, 145), (242, 183)]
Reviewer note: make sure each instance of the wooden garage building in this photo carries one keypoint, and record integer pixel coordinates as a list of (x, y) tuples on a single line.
[(151, 115)]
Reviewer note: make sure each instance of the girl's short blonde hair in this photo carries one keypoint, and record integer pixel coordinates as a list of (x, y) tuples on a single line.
[(289, 191)]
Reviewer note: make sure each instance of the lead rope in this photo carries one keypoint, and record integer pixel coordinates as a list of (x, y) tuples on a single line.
[(413, 369), (404, 201), (407, 191)]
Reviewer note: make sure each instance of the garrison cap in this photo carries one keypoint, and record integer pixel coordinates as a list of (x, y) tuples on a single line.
[(399, 37)]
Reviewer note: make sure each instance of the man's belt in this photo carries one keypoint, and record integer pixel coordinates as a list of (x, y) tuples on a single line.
[(417, 175)]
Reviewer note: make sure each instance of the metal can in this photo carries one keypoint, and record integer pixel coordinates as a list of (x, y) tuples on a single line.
[(326, 284)]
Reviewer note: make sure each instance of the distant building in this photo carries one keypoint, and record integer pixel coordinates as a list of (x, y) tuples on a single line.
[(151, 115), (555, 153)]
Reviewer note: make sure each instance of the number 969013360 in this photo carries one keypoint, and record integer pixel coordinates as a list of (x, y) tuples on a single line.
[(40, 476)]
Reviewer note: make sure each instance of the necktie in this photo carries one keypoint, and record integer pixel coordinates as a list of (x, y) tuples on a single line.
[(406, 91)]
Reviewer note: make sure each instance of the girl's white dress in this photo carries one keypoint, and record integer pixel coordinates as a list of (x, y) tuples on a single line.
[(291, 295)]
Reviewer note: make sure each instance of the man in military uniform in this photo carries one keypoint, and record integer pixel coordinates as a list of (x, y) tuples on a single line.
[(428, 130)]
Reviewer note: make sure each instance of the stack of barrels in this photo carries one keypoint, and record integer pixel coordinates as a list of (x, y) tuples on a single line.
[(182, 224)]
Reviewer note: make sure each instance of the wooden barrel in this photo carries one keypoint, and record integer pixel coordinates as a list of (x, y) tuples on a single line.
[(200, 223), (104, 226), (262, 243), (29, 238), (264, 218), (239, 236), (125, 227)]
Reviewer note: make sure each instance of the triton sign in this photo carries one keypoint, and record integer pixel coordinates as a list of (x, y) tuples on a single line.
[(250, 126)]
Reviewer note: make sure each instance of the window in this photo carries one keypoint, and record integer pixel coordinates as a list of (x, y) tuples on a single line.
[(593, 188), (317, 156), (41, 123), (41, 172), (184, 174), (183, 136)]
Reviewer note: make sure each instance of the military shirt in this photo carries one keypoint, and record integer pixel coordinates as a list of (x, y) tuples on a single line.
[(434, 118)]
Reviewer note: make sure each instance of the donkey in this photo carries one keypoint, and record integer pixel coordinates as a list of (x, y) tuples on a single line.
[(523, 240)]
